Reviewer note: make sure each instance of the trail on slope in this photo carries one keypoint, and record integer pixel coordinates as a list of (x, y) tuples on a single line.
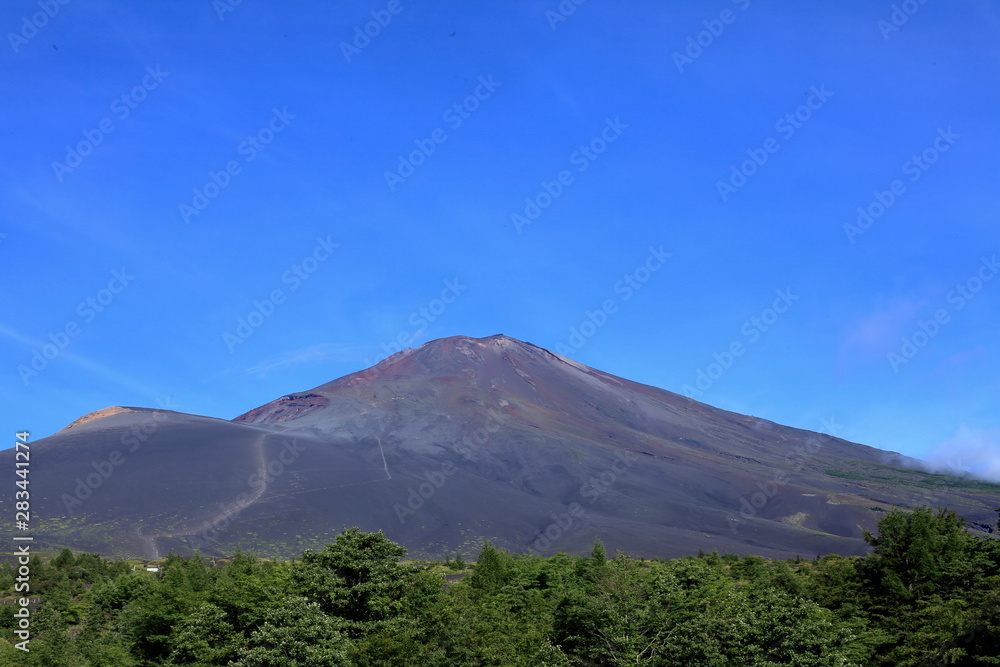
[(385, 468), (226, 514), (222, 518), (149, 542)]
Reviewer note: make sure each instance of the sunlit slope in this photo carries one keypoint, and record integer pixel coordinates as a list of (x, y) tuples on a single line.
[(465, 439)]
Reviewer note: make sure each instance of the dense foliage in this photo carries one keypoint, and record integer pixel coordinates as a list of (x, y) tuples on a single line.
[(928, 594)]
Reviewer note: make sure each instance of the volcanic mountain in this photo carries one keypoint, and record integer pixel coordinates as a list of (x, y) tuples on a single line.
[(465, 439)]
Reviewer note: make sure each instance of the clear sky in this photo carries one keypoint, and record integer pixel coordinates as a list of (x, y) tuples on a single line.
[(784, 209)]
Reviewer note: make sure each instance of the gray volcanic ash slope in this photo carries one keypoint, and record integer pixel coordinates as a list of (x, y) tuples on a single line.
[(464, 439)]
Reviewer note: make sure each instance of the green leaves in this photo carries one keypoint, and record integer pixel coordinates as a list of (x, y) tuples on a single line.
[(494, 569), (205, 637), (928, 594), (298, 634), (919, 553), (766, 626), (357, 578)]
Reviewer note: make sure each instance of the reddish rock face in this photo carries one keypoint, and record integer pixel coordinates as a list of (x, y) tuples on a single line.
[(288, 407)]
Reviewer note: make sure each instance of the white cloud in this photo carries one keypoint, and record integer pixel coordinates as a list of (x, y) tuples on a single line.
[(308, 355), (880, 331), (976, 451)]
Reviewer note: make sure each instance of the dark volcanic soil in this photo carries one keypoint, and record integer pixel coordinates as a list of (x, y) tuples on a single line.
[(465, 439)]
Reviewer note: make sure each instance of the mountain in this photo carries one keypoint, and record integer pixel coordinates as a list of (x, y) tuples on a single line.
[(465, 439)]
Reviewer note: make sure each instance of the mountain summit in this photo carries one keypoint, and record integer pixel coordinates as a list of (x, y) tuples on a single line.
[(464, 439)]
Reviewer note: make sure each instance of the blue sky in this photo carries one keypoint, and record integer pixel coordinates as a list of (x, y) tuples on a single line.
[(666, 191)]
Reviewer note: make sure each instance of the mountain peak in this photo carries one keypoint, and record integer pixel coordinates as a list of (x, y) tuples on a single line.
[(436, 353), (486, 436), (499, 342)]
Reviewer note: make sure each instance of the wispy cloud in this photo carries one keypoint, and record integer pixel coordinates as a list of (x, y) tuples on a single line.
[(309, 355), (966, 356), (107, 374), (18, 337), (879, 331), (976, 451)]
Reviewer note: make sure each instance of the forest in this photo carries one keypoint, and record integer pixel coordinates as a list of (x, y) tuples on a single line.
[(928, 593)]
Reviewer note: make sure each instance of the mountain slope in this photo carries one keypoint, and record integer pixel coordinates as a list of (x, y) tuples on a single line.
[(464, 439)]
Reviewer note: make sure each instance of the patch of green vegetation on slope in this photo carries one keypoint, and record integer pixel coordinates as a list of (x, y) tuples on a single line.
[(871, 472)]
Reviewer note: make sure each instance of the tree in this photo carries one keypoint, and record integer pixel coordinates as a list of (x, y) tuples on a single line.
[(763, 626), (358, 577), (247, 589), (621, 618), (149, 622), (298, 634), (751, 568), (456, 564), (205, 637), (494, 569), (918, 553), (108, 598), (926, 579), (597, 555), (64, 561)]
